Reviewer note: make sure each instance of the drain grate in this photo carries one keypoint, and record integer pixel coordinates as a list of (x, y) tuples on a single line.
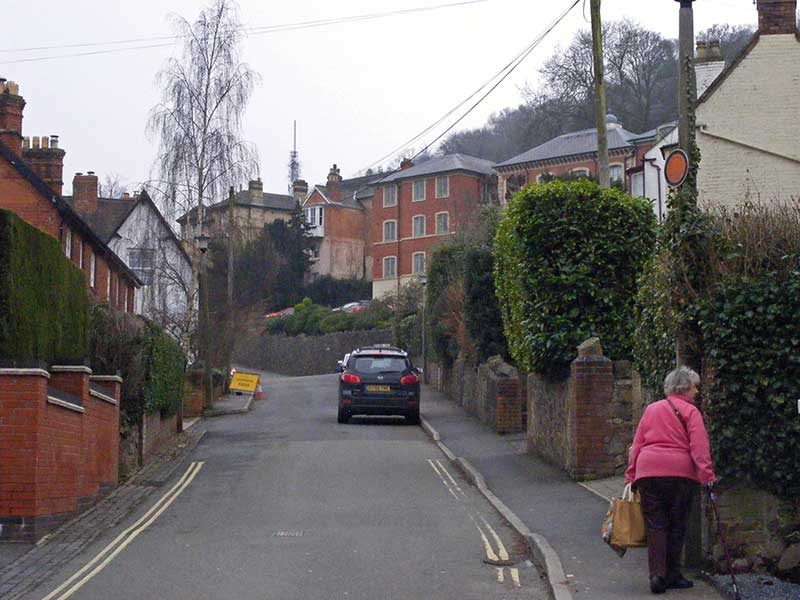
[(285, 534)]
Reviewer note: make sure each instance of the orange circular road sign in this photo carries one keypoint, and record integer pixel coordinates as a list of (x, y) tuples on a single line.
[(677, 168)]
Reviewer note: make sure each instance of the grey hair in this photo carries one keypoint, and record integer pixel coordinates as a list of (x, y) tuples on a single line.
[(680, 381)]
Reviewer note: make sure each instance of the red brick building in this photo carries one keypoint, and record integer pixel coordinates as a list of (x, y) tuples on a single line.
[(575, 154), (421, 206), (31, 183), (340, 216)]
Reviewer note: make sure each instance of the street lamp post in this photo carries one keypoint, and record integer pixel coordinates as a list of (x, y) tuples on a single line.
[(202, 242)]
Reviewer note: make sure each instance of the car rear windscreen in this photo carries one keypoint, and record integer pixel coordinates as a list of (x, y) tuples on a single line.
[(379, 364)]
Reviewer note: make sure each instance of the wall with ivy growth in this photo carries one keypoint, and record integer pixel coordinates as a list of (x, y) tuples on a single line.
[(165, 368), (568, 256), (481, 310), (44, 305)]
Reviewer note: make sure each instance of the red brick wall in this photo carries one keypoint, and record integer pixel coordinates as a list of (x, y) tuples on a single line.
[(157, 431), (54, 461), (462, 204)]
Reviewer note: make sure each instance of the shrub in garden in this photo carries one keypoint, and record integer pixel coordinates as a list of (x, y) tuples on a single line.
[(568, 256), (445, 298)]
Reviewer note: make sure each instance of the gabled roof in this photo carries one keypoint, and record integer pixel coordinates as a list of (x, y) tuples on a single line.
[(354, 190), (67, 212), (444, 164), (573, 144), (269, 201), (113, 212)]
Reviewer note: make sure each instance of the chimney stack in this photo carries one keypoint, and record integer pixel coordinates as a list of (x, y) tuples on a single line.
[(11, 107), (708, 52), (255, 190), (334, 186), (46, 159), (406, 163), (776, 17), (300, 191), (84, 193)]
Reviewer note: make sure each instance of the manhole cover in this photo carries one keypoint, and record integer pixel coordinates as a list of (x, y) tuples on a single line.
[(288, 534)]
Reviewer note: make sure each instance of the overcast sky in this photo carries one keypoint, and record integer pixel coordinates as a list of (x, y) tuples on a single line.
[(357, 90)]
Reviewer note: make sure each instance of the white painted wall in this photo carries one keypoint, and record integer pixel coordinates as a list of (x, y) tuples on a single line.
[(749, 128), (166, 294)]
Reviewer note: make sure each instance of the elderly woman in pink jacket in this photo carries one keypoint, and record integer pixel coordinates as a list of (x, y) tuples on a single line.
[(670, 455)]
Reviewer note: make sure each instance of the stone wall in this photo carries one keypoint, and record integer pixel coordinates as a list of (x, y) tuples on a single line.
[(304, 355), (157, 431), (585, 424)]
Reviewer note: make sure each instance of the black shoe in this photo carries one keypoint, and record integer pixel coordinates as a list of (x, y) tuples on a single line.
[(658, 585), (679, 582)]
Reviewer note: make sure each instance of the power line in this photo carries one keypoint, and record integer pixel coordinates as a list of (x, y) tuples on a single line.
[(254, 30), (503, 73)]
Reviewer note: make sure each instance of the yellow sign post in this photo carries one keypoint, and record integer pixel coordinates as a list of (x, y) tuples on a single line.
[(244, 382)]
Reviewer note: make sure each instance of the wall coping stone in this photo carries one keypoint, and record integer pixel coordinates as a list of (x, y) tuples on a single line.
[(25, 372), (70, 369), (590, 347), (65, 404), (102, 397), (116, 378)]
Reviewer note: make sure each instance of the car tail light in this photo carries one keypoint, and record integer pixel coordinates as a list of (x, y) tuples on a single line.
[(350, 378), (409, 380)]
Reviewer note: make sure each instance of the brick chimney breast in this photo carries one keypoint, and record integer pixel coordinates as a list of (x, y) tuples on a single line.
[(11, 108), (84, 193), (777, 17), (46, 159), (255, 189), (334, 186)]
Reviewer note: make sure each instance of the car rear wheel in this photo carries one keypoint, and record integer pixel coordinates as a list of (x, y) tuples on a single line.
[(343, 416), (412, 417)]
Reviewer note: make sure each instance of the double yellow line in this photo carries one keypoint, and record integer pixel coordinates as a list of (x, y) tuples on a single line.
[(107, 554)]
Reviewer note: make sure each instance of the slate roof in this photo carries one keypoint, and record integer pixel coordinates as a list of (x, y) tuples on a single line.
[(66, 210), (355, 190), (113, 212), (269, 201), (573, 144), (444, 164)]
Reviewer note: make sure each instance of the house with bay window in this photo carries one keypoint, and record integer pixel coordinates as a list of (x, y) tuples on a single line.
[(421, 206)]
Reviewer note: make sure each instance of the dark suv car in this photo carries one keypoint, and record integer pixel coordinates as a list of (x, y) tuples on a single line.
[(379, 380)]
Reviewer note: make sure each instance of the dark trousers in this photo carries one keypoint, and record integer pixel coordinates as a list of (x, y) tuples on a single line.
[(665, 504)]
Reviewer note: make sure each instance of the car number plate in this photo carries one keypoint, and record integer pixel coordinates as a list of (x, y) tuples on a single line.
[(379, 388)]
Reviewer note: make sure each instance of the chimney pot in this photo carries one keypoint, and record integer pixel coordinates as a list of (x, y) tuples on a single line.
[(777, 17), (36, 142), (26, 143), (54, 141), (45, 142), (11, 109)]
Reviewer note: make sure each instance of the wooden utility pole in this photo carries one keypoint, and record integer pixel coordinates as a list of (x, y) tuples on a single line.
[(600, 96), (687, 87), (231, 199)]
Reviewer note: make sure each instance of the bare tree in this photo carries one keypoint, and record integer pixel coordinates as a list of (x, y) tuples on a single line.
[(114, 185), (198, 121)]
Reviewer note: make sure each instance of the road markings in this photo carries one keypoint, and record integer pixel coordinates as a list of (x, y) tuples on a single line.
[(125, 538), (492, 557)]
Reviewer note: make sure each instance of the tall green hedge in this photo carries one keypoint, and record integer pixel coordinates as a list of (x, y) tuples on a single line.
[(165, 368), (481, 310), (568, 256), (44, 305), (446, 269)]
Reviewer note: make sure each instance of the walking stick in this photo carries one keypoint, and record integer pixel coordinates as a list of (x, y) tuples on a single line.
[(713, 497)]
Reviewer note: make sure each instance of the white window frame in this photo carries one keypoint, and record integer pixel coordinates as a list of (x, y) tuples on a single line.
[(385, 223), (320, 213), (392, 201), (383, 267), (414, 226), (581, 171), (311, 216), (439, 214), (621, 170), (539, 178), (414, 268), (80, 255), (414, 197), (108, 285), (68, 243), (93, 270), (446, 179)]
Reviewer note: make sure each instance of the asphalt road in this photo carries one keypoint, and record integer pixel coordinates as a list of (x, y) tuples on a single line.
[(285, 503)]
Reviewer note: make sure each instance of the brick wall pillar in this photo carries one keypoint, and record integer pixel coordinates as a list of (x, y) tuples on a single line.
[(21, 393), (105, 398), (589, 431)]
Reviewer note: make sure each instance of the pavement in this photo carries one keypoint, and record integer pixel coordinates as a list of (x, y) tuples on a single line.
[(560, 517), (230, 404), (25, 566)]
